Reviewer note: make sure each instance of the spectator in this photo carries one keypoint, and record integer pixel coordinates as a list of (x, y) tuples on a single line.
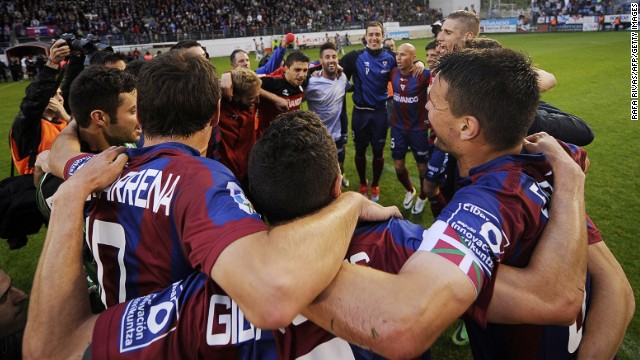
[(42, 115), (4, 68)]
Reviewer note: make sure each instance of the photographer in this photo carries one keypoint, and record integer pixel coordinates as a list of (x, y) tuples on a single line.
[(99, 54), (42, 115), (41, 118)]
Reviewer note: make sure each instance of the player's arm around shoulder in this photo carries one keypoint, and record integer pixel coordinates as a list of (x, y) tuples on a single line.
[(611, 305), (397, 316), (536, 294), (274, 274), (65, 146)]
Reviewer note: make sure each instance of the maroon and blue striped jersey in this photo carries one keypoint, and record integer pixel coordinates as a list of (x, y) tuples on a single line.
[(384, 246), (409, 100), (496, 217), (191, 319), (170, 212)]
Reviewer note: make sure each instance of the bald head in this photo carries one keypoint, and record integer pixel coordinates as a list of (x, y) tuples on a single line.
[(405, 56)]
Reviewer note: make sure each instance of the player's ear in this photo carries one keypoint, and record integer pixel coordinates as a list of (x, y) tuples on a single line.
[(469, 127), (99, 117), (336, 190), (216, 116)]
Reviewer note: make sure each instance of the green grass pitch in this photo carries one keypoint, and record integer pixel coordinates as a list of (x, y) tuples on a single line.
[(593, 73)]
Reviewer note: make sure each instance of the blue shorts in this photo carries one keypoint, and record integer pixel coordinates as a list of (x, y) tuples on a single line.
[(437, 167), (369, 127), (416, 140)]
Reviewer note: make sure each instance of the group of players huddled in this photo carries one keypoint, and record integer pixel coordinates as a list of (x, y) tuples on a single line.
[(227, 234)]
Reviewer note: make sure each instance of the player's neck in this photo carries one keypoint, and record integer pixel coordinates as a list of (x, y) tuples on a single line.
[(474, 156), (94, 138), (407, 71), (327, 75), (198, 140)]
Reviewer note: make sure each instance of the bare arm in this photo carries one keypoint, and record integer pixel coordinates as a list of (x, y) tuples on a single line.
[(397, 316), (546, 80), (611, 305), (535, 294), (273, 275), (66, 146), (60, 323)]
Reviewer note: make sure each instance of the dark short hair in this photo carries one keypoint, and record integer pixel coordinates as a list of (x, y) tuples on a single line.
[(296, 56), (328, 46), (185, 44), (178, 94), (134, 67), (499, 87), (431, 45), (296, 150), (98, 88), (482, 43), (232, 57), (104, 57), (372, 24)]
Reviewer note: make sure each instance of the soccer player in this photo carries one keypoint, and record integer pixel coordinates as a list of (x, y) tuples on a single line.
[(240, 59), (169, 324), (172, 211), (325, 96), (409, 123), (432, 54), (103, 102), (288, 86), (496, 217), (233, 138), (190, 46), (370, 69)]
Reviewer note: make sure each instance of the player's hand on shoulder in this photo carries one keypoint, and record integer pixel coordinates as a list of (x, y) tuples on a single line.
[(418, 68), (99, 172), (556, 155), (371, 211)]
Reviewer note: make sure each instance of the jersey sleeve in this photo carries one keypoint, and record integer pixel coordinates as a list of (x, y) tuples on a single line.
[(75, 163), (470, 235), (211, 213)]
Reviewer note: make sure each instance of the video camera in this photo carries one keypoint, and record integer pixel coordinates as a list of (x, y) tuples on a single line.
[(86, 46), (436, 27)]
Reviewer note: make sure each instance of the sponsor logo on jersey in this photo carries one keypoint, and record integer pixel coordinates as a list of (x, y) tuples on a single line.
[(405, 99), (149, 318), (478, 228), (238, 196), (366, 67), (294, 103), (78, 163)]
